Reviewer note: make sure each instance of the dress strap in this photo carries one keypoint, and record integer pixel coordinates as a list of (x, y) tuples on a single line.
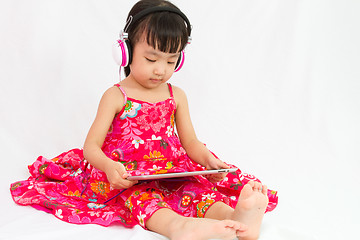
[(122, 90), (170, 90)]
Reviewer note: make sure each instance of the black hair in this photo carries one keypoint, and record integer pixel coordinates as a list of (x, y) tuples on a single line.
[(165, 31)]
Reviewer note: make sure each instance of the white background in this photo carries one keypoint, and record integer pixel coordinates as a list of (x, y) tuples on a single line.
[(273, 87)]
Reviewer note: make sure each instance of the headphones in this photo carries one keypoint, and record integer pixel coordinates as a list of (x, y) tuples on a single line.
[(122, 51)]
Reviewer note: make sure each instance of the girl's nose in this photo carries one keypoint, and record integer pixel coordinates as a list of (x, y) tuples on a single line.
[(159, 69)]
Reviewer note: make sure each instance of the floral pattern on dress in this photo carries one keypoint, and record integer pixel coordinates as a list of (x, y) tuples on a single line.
[(100, 187), (153, 117), (186, 200), (131, 109)]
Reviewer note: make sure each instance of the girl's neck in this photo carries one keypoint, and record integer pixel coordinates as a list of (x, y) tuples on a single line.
[(136, 91)]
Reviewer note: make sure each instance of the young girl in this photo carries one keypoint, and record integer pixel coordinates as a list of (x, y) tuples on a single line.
[(134, 133)]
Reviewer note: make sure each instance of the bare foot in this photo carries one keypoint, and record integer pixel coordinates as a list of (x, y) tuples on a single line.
[(203, 229), (250, 209)]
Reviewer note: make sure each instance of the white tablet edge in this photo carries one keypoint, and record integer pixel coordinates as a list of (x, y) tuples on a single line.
[(181, 174)]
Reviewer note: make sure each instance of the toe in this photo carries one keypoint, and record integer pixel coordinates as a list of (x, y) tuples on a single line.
[(251, 183), (257, 186), (264, 190), (246, 192)]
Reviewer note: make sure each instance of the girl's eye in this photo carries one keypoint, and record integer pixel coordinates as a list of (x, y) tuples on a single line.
[(171, 63), (150, 60)]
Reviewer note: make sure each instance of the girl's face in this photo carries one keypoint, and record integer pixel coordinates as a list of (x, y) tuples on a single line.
[(151, 67)]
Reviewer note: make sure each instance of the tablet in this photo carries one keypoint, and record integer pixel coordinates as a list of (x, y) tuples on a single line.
[(180, 174)]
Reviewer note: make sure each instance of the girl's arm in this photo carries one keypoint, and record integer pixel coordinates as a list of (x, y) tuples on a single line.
[(195, 149), (111, 103)]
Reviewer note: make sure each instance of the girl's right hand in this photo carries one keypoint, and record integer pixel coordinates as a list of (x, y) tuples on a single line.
[(116, 175)]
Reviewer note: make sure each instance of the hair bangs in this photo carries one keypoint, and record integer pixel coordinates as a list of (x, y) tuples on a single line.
[(166, 32)]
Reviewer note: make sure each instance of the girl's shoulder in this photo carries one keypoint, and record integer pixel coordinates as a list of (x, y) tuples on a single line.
[(114, 98), (178, 92), (179, 95)]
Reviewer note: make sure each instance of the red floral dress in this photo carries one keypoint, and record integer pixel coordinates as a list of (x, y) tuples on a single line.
[(142, 137)]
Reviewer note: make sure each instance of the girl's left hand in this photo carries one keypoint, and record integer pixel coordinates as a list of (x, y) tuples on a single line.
[(215, 163)]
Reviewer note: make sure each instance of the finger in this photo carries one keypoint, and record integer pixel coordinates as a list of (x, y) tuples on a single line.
[(121, 183), (208, 176), (211, 178), (220, 176), (215, 179), (125, 175), (124, 185), (129, 183), (224, 165)]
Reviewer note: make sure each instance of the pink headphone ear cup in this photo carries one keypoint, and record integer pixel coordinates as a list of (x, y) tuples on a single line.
[(180, 61), (121, 53)]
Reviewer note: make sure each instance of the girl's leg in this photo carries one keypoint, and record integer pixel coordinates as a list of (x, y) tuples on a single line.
[(249, 209), (176, 227)]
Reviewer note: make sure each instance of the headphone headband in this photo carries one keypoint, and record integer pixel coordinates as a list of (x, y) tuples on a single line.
[(147, 11)]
